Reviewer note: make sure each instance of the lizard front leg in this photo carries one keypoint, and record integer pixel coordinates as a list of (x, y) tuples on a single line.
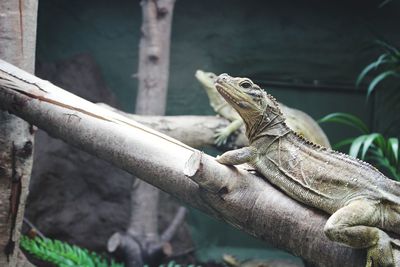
[(238, 156), (355, 225), (221, 135)]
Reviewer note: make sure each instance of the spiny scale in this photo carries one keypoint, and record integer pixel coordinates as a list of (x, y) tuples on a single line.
[(274, 101), (317, 146), (322, 148)]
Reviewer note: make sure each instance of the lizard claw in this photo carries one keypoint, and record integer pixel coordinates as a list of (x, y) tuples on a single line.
[(221, 136), (381, 253)]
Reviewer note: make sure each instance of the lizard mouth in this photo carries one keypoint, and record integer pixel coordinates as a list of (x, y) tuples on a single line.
[(221, 89)]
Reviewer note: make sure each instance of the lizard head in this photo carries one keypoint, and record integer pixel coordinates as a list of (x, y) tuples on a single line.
[(206, 78), (257, 108), (246, 97)]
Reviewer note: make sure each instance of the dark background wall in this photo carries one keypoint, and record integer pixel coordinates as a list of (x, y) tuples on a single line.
[(306, 53), (296, 42)]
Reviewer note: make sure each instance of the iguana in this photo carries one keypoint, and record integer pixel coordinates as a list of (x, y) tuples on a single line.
[(361, 200), (297, 120)]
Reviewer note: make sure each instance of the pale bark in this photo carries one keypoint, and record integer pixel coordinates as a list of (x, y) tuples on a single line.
[(141, 243), (234, 195), (154, 50), (187, 128), (17, 45)]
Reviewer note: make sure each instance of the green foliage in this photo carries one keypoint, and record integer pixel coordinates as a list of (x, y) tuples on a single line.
[(374, 147), (66, 255), (370, 146), (63, 254), (347, 119), (386, 65)]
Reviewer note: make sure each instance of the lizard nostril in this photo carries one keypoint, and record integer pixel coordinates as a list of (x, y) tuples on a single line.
[(223, 77)]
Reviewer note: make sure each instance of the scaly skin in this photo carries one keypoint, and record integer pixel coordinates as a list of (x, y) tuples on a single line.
[(297, 120), (362, 201)]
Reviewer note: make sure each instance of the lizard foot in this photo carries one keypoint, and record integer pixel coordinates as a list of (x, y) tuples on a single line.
[(381, 254), (221, 136)]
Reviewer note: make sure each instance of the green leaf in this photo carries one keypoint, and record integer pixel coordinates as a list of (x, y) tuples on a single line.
[(393, 144), (348, 119), (356, 145), (367, 143), (369, 67), (384, 162), (381, 142), (343, 143), (381, 60), (63, 254), (391, 49), (378, 79)]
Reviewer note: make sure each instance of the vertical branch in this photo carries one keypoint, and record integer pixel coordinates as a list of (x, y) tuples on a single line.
[(154, 50), (150, 29), (17, 45), (142, 242)]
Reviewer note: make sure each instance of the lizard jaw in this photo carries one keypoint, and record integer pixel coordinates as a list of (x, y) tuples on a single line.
[(226, 95)]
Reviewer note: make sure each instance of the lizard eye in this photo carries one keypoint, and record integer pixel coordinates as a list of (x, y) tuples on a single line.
[(245, 84), (211, 76)]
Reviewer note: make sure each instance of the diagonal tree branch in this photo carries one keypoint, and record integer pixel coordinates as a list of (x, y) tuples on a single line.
[(169, 233), (234, 195), (185, 127)]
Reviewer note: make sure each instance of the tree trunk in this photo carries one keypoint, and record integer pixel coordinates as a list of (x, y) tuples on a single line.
[(17, 45), (232, 194), (142, 243), (154, 50)]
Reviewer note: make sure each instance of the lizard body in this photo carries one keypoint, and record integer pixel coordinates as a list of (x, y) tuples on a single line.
[(362, 201), (297, 120)]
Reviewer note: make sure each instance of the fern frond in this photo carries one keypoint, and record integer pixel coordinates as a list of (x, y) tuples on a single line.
[(63, 254)]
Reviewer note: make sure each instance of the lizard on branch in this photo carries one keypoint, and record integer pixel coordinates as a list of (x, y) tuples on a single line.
[(297, 120), (363, 203)]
